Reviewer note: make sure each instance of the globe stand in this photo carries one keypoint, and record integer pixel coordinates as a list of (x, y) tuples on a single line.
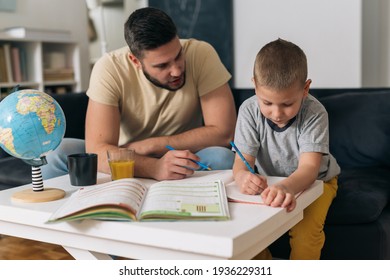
[(38, 193)]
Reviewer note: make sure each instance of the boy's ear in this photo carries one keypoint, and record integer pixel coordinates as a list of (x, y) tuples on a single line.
[(306, 88)]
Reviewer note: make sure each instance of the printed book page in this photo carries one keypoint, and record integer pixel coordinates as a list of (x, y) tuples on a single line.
[(226, 176), (177, 200), (117, 200)]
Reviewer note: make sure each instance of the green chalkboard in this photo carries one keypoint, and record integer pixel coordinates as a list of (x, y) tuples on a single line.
[(208, 20)]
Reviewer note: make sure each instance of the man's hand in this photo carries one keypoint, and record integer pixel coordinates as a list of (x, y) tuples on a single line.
[(175, 165), (154, 147)]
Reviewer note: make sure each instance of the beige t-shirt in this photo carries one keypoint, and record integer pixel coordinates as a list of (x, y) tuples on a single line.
[(149, 111)]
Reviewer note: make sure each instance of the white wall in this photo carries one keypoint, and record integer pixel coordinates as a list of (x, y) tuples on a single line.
[(376, 43), (330, 33), (56, 15), (112, 17), (108, 22), (347, 42)]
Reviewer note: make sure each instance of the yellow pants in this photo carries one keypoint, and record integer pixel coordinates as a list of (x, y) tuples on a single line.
[(307, 237)]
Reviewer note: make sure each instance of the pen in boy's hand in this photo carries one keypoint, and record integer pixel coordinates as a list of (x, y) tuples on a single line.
[(204, 166), (242, 157)]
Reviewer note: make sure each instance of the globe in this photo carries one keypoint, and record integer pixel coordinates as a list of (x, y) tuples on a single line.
[(32, 124)]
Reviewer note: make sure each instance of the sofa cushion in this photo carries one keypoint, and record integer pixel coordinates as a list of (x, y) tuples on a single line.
[(3, 154), (359, 128), (74, 106), (14, 172), (362, 195)]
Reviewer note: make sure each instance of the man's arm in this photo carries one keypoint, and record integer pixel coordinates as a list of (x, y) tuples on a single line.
[(102, 133), (219, 115)]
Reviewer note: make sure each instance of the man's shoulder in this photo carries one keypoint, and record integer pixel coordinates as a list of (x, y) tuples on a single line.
[(116, 55), (121, 51), (195, 45), (116, 59)]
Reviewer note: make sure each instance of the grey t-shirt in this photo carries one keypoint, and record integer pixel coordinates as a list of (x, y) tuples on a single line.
[(277, 150)]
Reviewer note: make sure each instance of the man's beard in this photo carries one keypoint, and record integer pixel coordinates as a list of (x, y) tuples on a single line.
[(165, 86)]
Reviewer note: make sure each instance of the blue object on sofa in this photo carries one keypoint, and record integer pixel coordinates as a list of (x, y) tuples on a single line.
[(358, 222)]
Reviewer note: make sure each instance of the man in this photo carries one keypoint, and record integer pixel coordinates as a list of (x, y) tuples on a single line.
[(163, 91)]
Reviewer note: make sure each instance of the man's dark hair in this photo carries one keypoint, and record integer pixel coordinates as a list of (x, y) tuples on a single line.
[(147, 29)]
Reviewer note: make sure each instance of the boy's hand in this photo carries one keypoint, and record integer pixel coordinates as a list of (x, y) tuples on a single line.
[(251, 183), (279, 196)]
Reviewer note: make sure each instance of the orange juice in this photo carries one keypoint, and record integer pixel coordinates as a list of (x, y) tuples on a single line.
[(122, 169)]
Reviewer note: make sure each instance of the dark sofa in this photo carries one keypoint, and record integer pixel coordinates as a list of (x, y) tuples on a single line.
[(358, 222)]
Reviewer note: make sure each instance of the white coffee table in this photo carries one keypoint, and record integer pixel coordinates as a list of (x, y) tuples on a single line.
[(251, 229)]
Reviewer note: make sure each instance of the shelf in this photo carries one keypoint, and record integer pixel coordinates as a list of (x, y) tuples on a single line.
[(60, 82), (28, 59)]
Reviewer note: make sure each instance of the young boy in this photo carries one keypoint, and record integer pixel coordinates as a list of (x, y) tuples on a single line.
[(284, 131)]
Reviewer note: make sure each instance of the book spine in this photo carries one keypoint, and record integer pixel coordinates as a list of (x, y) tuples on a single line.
[(23, 64), (8, 62), (3, 67), (17, 72)]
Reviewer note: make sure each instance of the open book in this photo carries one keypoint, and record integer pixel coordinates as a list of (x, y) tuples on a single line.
[(234, 194), (133, 200)]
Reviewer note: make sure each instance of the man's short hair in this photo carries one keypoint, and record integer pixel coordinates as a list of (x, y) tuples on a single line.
[(147, 29)]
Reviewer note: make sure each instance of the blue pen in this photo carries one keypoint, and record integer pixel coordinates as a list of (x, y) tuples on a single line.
[(242, 157), (204, 166)]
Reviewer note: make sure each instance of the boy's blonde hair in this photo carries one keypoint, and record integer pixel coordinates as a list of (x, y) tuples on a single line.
[(279, 65)]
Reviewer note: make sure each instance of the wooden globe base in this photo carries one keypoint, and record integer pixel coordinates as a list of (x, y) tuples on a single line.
[(28, 195)]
